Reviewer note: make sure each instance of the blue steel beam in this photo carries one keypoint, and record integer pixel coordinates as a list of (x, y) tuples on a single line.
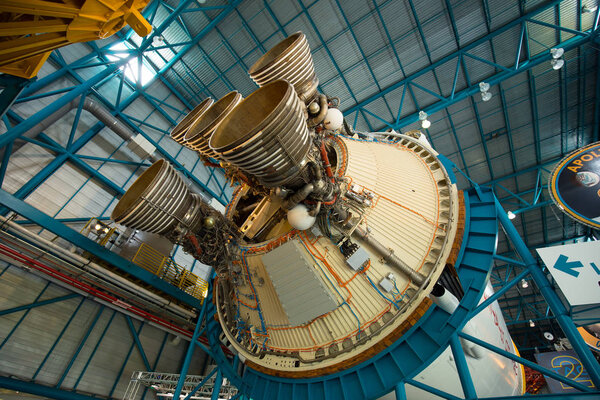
[(80, 346), (432, 390), (58, 338), (525, 362), (202, 383), (41, 390), (462, 368), (557, 307), (138, 343), (93, 353), (494, 79), (217, 387), (155, 364), (400, 391), (38, 304), (46, 222), (190, 350)]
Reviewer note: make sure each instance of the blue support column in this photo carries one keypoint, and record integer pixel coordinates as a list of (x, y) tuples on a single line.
[(80, 346), (400, 391), (190, 350), (198, 386), (463, 368), (138, 343), (557, 307), (217, 387)]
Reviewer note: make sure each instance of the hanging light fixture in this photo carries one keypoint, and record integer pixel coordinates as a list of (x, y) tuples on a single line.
[(524, 283), (484, 88), (158, 41), (557, 62), (511, 215), (557, 52), (531, 323), (425, 123)]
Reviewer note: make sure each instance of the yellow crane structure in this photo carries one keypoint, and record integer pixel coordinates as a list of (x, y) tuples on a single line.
[(31, 29)]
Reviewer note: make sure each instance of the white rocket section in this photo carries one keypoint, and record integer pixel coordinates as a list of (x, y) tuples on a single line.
[(492, 374)]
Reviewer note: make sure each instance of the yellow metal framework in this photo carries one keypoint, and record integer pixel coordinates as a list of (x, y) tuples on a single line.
[(153, 261), (103, 234), (31, 29)]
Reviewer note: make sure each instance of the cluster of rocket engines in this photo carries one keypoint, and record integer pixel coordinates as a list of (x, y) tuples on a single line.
[(363, 228)]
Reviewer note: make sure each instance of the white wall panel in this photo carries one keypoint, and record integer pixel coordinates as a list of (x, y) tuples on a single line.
[(36, 334), (23, 165)]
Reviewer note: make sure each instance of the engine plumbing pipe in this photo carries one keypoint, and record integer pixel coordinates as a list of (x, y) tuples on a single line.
[(322, 112), (325, 159), (297, 197)]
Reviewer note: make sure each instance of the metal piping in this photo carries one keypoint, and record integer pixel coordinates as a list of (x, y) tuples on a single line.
[(112, 123), (86, 265), (297, 197), (79, 287), (323, 108), (89, 105), (388, 255)]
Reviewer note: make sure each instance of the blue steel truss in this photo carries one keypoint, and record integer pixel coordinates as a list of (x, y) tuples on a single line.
[(520, 191)]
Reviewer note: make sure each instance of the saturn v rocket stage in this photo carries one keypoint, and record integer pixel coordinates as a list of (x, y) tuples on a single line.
[(335, 244)]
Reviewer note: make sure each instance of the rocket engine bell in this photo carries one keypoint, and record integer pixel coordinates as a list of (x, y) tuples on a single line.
[(332, 244)]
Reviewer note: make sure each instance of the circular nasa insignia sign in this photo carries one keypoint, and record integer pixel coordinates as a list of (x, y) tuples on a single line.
[(575, 185)]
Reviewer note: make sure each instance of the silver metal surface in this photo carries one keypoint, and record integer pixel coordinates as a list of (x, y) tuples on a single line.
[(358, 259), (290, 60), (157, 201), (301, 291), (266, 135)]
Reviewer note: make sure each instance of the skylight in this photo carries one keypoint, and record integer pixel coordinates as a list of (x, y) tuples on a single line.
[(132, 68)]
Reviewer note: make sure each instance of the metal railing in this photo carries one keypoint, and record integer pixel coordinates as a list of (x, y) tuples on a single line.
[(164, 267), (164, 384)]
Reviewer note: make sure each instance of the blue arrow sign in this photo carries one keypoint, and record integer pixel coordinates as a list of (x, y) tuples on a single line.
[(562, 264)]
